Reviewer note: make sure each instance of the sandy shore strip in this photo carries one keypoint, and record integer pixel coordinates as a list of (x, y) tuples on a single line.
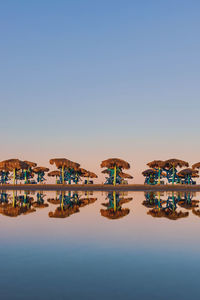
[(99, 187)]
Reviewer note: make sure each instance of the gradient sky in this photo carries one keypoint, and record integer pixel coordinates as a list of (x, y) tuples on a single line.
[(88, 80)]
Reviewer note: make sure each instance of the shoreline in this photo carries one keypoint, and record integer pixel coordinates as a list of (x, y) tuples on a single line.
[(99, 187)]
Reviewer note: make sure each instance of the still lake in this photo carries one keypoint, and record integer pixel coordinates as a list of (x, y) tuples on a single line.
[(117, 246)]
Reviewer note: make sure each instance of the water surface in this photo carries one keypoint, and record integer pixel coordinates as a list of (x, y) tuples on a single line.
[(89, 256)]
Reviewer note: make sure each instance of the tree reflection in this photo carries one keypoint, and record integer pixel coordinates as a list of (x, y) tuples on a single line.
[(40, 203), (114, 208), (153, 201), (163, 208), (187, 201), (55, 200), (70, 204), (17, 205)]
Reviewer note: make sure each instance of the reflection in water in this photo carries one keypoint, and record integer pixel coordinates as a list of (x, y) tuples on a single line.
[(55, 200), (164, 208), (66, 208), (114, 208), (89, 250), (69, 204), (3, 198), (40, 201), (172, 206), (187, 201), (151, 201), (196, 212), (15, 205)]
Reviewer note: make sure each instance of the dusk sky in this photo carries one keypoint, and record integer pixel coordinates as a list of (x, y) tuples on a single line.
[(89, 80)]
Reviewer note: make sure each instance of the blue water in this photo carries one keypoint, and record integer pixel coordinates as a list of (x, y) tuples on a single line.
[(87, 256)]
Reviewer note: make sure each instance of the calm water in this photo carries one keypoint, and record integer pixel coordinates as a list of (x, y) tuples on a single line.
[(89, 256)]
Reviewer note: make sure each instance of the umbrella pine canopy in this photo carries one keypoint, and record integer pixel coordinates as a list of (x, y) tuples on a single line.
[(14, 164), (3, 164), (156, 164), (125, 175), (115, 162), (186, 175), (82, 172), (106, 171), (65, 165), (92, 175), (170, 163), (63, 162), (40, 169), (85, 173), (195, 175), (188, 171), (115, 165), (150, 176), (149, 172), (54, 173), (59, 162), (171, 167), (5, 169), (30, 164), (196, 166)]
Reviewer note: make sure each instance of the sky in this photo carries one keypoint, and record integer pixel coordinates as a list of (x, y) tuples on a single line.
[(89, 80)]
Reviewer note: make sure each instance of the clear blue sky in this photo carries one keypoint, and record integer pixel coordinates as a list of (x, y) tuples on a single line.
[(89, 80)]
